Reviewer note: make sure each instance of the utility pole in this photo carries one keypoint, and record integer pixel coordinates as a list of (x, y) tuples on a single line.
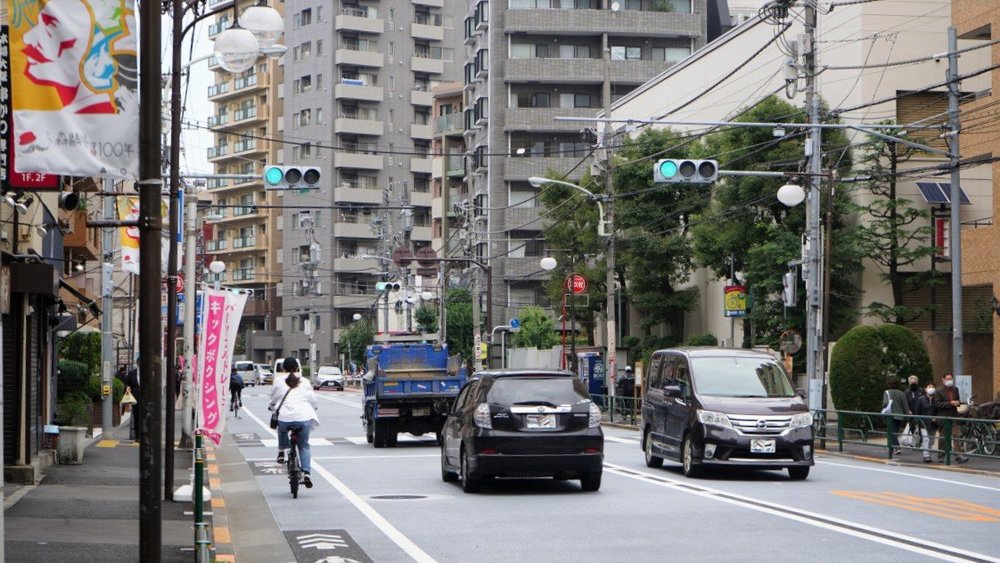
[(813, 263), (611, 373), (107, 317), (150, 224), (955, 219), (190, 301), (311, 269)]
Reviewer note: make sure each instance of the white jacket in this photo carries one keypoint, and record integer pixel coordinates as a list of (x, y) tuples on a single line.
[(299, 406)]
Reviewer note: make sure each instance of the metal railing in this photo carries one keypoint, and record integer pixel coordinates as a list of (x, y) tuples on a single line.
[(370, 12), (621, 409)]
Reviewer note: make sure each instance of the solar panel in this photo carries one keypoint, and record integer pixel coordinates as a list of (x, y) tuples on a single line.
[(939, 193)]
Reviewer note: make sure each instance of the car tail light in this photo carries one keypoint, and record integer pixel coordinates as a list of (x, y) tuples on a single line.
[(488, 451), (591, 451), (595, 416), (482, 416)]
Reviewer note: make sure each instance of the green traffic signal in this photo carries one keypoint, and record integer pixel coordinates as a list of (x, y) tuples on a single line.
[(273, 175), (668, 169)]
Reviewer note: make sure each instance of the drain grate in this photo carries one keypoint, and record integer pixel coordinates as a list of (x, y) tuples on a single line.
[(398, 497)]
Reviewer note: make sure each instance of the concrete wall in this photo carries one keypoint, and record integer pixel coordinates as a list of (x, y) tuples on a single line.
[(978, 361)]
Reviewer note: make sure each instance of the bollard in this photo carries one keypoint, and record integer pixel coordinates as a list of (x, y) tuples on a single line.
[(890, 431), (840, 433), (947, 441)]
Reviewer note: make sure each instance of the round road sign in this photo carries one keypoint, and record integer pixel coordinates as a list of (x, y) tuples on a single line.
[(576, 283), (791, 342)]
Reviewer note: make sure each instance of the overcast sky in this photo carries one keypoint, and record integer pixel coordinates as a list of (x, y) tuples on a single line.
[(197, 108)]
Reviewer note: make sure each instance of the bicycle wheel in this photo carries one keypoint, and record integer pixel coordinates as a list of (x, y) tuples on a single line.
[(293, 470), (989, 439)]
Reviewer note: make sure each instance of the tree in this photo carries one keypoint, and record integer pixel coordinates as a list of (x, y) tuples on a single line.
[(427, 319), (653, 243), (894, 234), (358, 336), (84, 347), (865, 356), (537, 330), (747, 230), (458, 307)]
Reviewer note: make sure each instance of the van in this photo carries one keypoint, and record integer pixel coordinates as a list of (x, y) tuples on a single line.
[(247, 372), (724, 407), (279, 367)]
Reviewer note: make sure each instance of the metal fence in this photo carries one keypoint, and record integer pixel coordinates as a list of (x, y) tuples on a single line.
[(619, 409)]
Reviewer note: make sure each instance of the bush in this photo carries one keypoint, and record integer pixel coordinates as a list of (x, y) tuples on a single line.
[(703, 340), (72, 378), (94, 389), (865, 356), (73, 410)]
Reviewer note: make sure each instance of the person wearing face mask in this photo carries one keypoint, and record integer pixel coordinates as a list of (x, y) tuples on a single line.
[(924, 406), (946, 401), (913, 391)]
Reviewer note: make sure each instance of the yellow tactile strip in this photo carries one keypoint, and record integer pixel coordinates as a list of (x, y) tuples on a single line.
[(222, 540)]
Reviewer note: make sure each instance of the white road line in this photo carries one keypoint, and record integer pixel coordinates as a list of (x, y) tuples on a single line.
[(397, 537), (355, 404), (372, 457), (877, 535), (620, 440), (362, 440), (906, 474)]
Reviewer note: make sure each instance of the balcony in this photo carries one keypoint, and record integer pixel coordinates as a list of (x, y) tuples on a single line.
[(265, 340), (456, 166), (523, 268), (431, 60), (452, 122), (244, 275), (249, 113), (354, 195), (218, 90), (422, 234), (421, 165), (355, 264), (363, 20), (244, 83), (418, 131), (421, 98), (344, 159), (245, 243), (353, 228), (361, 122), (359, 53), (592, 22), (218, 151), (429, 3), (524, 218), (353, 301), (524, 168), (421, 199), (82, 241), (543, 119), (249, 145), (426, 32), (216, 245), (218, 120), (345, 91)]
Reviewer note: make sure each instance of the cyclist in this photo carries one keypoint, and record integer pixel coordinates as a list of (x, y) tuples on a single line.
[(296, 404), (235, 390)]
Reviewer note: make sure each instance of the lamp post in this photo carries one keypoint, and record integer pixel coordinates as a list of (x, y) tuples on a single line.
[(236, 49)]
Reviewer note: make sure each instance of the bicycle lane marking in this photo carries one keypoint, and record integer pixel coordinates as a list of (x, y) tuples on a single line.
[(870, 533), (397, 537)]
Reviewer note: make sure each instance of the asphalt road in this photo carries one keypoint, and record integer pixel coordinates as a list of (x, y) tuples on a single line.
[(391, 505)]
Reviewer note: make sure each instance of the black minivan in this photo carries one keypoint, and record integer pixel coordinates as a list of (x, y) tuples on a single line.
[(724, 407)]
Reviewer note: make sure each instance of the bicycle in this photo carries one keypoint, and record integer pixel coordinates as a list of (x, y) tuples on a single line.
[(979, 437), (294, 466)]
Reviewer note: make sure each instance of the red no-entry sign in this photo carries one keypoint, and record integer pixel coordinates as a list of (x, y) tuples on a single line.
[(576, 283)]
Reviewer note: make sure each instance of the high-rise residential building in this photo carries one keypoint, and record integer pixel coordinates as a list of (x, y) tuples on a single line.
[(528, 62), (358, 104), (243, 223)]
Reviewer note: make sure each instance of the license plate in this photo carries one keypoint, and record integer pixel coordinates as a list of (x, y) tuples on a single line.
[(541, 421), (762, 446), (423, 411)]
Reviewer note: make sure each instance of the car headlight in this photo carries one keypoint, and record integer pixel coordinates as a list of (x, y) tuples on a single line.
[(801, 419), (595, 416), (482, 416), (714, 419)]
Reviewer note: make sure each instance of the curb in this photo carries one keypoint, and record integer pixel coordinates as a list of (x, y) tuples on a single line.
[(897, 463), (222, 542)]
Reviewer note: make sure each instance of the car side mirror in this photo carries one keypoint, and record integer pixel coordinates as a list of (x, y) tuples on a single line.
[(800, 392), (673, 391)]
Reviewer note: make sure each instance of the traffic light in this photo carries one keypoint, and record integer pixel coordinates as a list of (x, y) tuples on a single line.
[(387, 286), (788, 293), (685, 171), (292, 177)]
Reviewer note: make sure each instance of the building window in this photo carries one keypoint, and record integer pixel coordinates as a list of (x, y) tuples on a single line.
[(319, 47), (622, 53), (670, 54)]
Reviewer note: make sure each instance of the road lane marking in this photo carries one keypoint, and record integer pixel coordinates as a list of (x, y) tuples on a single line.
[(362, 440), (877, 535), (620, 440), (372, 457), (354, 404), (950, 509), (397, 537), (949, 481)]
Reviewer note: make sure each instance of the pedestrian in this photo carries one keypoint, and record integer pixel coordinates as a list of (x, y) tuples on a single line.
[(894, 405), (923, 407), (913, 391), (296, 405), (236, 386), (946, 402), (626, 385), (132, 384)]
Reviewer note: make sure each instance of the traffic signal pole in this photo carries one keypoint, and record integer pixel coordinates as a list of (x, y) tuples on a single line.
[(814, 152)]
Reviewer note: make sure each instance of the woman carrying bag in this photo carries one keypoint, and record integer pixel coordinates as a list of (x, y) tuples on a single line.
[(894, 406), (294, 404)]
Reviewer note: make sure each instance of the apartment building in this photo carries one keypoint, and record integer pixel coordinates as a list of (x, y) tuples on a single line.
[(243, 229), (529, 61), (358, 104)]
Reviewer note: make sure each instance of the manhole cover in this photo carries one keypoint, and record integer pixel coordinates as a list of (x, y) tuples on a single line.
[(398, 497)]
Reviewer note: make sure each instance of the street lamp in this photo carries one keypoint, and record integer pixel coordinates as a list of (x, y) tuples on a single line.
[(791, 194), (548, 263), (264, 22), (602, 228), (217, 267)]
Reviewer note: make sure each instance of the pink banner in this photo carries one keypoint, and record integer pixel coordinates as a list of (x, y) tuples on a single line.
[(221, 315)]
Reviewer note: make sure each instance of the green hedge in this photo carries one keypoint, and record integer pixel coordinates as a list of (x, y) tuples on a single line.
[(72, 378), (703, 340), (865, 356)]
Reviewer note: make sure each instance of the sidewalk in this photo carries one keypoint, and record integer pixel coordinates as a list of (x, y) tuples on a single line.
[(90, 512)]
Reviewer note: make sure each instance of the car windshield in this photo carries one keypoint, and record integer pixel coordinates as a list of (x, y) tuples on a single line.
[(329, 371), (736, 376), (535, 390)]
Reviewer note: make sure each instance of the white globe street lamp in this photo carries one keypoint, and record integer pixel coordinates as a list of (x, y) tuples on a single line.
[(791, 194), (548, 263), (217, 267), (357, 316), (236, 49), (264, 22)]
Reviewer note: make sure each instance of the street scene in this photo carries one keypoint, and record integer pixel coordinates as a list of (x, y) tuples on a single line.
[(561, 280)]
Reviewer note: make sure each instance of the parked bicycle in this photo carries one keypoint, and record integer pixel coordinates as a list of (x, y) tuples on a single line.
[(980, 437)]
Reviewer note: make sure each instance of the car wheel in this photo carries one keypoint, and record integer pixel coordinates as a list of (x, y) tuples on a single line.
[(798, 473), (447, 475), (471, 482), (691, 469), (591, 481), (381, 433), (652, 460), (369, 432)]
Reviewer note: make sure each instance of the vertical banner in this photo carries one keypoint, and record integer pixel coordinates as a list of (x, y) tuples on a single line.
[(221, 316), (74, 77), (735, 300), (128, 210)]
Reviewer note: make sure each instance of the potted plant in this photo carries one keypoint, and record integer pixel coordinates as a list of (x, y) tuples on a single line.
[(72, 411)]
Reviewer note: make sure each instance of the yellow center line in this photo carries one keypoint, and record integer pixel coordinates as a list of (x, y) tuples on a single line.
[(942, 508)]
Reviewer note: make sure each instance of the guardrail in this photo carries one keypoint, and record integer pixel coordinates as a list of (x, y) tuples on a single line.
[(949, 437), (621, 409)]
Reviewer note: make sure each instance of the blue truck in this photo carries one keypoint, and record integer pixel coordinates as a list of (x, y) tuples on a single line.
[(408, 383)]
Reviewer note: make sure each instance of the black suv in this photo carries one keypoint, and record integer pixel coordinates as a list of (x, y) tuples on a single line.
[(523, 423)]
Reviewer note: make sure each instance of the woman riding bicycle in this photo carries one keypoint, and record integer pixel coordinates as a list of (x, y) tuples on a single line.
[(296, 404)]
